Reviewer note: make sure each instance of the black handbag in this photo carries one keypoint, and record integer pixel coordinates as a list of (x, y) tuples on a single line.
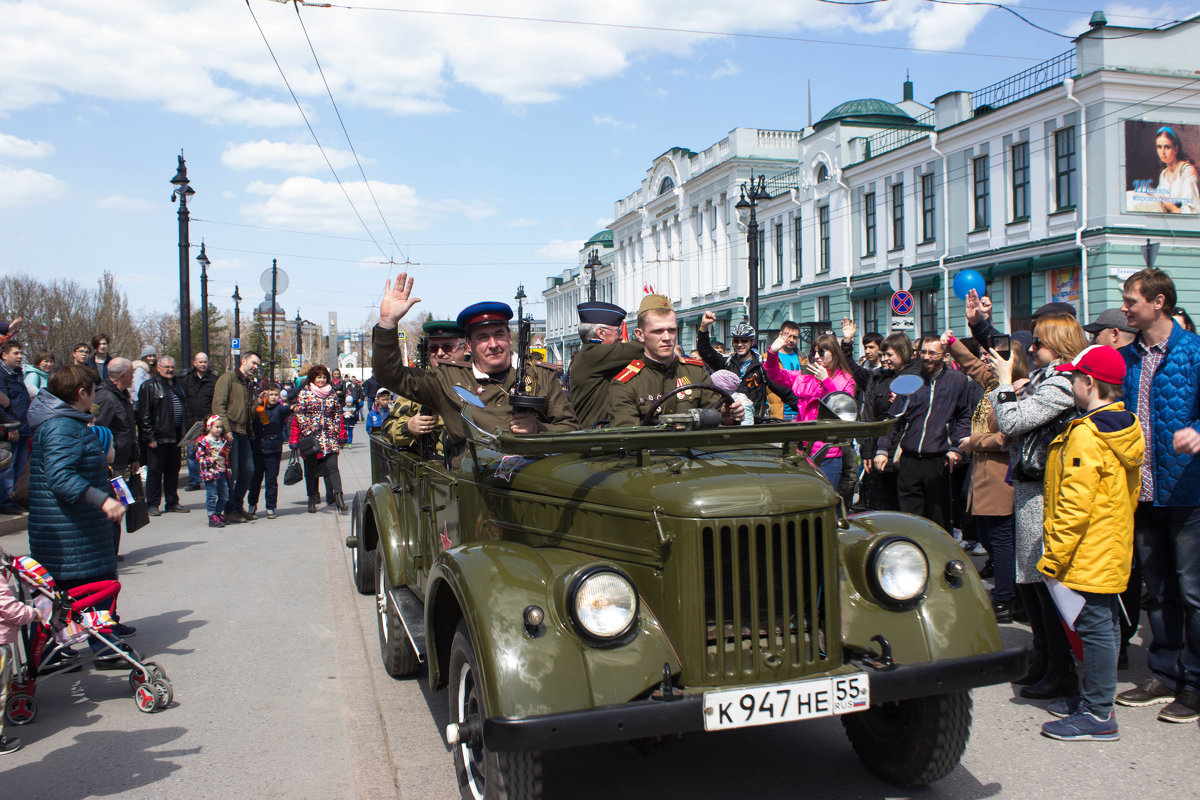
[(137, 514), (309, 446), (1036, 443), (294, 472)]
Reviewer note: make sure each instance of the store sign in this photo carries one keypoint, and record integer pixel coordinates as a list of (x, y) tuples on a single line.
[(1064, 286)]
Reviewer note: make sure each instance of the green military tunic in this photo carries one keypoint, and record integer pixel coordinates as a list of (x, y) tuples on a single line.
[(590, 378), (435, 388), (645, 380)]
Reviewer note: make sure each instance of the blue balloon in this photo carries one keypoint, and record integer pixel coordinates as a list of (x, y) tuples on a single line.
[(966, 280)]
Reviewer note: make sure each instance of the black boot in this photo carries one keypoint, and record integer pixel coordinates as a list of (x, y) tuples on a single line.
[(312, 503), (1052, 686), (339, 502)]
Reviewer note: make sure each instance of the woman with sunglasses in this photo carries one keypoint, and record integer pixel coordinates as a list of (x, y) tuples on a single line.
[(1031, 420), (826, 371)]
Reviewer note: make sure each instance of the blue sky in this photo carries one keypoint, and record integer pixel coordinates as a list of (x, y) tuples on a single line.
[(494, 147)]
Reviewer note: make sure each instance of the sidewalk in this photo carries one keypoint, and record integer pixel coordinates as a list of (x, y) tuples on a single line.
[(249, 623)]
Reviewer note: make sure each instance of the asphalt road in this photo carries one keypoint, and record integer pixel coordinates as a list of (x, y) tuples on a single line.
[(279, 693)]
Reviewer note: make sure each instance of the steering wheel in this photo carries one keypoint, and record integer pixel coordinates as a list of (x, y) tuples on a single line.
[(648, 417)]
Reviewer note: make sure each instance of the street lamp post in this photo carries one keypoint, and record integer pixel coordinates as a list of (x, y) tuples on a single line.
[(183, 191), (204, 262), (237, 323), (274, 287), (592, 263), (752, 192), (299, 340)]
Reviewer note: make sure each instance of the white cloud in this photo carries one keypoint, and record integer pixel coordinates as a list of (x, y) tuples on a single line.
[(22, 187), (12, 147), (228, 195), (726, 70), (521, 223), (119, 202), (314, 205), (398, 63), (607, 119), (287, 156), (559, 250)]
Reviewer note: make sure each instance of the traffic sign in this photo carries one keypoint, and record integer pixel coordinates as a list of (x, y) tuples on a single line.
[(400, 336), (296, 361), (900, 280), (904, 324), (902, 303), (235, 344)]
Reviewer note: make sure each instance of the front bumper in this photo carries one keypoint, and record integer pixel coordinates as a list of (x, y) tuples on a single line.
[(646, 718)]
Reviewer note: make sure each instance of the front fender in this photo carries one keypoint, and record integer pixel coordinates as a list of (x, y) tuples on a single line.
[(553, 671), (950, 621)]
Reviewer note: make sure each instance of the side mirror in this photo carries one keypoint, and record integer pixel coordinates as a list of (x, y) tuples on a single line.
[(474, 432), (904, 386), (472, 399), (838, 406)]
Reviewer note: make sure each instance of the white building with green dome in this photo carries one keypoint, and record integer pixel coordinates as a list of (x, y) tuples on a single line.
[(1047, 183)]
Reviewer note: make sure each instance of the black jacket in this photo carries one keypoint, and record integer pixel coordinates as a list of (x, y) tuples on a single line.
[(156, 412), (268, 438), (938, 416), (754, 378), (116, 413), (198, 389)]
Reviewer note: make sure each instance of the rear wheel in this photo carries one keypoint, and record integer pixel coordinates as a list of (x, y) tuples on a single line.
[(484, 774), (399, 657), (362, 559), (912, 742)]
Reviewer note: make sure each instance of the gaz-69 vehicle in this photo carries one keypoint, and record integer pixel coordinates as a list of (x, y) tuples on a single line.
[(622, 584)]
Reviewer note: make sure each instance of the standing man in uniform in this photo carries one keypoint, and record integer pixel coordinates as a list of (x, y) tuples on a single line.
[(601, 357), (490, 377), (644, 380)]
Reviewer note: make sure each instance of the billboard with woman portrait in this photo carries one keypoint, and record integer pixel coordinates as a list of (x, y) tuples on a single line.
[(1160, 167)]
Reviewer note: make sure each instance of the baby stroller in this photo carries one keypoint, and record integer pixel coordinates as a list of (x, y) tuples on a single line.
[(45, 650)]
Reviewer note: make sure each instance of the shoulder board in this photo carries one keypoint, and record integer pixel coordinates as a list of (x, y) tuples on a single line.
[(633, 368), (695, 362)]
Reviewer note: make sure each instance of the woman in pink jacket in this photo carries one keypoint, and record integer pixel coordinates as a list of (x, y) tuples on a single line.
[(826, 371)]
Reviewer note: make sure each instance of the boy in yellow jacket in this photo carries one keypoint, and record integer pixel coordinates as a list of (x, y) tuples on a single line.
[(1092, 484)]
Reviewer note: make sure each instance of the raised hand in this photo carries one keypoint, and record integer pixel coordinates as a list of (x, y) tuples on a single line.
[(707, 320), (849, 329), (974, 308), (397, 300), (780, 342)]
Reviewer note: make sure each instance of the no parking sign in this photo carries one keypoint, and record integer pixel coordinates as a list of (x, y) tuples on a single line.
[(902, 303)]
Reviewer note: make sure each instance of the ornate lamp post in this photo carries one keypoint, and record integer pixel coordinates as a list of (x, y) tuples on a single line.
[(183, 191), (237, 322), (299, 339), (752, 192), (204, 262), (592, 263)]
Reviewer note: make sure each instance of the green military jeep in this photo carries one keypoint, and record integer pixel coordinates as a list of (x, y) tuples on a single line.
[(623, 584)]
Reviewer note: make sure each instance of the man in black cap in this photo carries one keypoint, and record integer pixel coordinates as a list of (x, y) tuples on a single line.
[(490, 376), (601, 357), (405, 422), (658, 370), (1111, 328)]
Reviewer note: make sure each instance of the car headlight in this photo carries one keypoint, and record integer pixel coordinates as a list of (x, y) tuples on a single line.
[(899, 571), (603, 604)]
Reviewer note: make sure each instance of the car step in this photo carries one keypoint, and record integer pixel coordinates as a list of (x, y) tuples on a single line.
[(412, 617)]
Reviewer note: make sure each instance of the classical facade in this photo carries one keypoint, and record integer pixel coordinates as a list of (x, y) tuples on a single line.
[(1047, 183)]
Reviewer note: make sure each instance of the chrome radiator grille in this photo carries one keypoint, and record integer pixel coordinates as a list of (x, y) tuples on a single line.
[(766, 599)]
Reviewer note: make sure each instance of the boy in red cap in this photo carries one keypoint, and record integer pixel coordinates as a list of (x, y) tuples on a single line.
[(1093, 476)]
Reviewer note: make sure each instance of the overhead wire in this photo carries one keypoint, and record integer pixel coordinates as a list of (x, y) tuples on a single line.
[(316, 138), (345, 132)]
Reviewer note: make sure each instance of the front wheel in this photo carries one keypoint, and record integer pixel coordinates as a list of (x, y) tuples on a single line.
[(484, 774), (399, 657), (912, 742)]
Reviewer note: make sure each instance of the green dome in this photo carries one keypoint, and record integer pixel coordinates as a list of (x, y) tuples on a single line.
[(603, 238), (867, 111)]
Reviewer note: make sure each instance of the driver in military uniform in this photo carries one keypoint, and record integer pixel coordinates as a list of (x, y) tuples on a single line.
[(405, 422), (645, 380), (490, 375), (601, 357)]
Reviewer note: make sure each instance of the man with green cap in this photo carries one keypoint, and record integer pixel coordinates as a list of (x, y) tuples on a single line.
[(589, 378), (644, 380), (490, 375), (405, 422)]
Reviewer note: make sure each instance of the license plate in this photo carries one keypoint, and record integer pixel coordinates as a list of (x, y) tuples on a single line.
[(786, 702)]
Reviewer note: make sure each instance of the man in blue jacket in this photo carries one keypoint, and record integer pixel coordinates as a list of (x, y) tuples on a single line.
[(1162, 385)]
